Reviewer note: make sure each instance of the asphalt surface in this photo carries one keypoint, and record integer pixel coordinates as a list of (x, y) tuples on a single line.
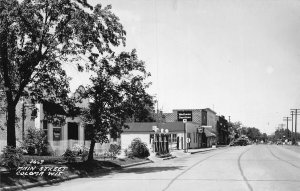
[(254, 167)]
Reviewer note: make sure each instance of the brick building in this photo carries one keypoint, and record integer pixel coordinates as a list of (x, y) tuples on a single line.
[(206, 118)]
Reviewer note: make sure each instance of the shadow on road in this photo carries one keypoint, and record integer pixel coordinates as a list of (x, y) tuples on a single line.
[(142, 170)]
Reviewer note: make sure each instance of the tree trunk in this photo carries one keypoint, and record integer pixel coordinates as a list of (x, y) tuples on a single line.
[(11, 131), (91, 151)]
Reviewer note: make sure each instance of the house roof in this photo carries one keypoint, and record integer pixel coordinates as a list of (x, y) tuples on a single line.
[(147, 127)]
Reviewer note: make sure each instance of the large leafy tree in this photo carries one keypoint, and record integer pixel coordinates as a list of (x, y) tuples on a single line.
[(117, 93), (38, 36)]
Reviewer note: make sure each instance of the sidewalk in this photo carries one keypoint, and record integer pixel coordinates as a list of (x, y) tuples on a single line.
[(181, 153)]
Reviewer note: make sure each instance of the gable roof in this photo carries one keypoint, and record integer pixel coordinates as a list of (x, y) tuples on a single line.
[(147, 127)]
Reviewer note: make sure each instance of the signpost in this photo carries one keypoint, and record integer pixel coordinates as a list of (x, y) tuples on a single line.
[(184, 126)]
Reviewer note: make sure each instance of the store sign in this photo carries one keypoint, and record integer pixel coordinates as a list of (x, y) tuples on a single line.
[(56, 134), (184, 115)]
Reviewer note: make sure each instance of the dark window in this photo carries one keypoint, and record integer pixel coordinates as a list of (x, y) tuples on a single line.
[(73, 131), (45, 125)]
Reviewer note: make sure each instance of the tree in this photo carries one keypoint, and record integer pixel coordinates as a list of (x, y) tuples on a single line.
[(253, 133), (38, 36), (118, 92), (234, 128)]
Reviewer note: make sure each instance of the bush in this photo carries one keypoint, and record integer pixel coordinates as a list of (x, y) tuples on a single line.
[(138, 149), (114, 150), (81, 150), (12, 157), (36, 141), (69, 156)]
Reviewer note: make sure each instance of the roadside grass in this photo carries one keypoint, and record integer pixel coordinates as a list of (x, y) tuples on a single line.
[(97, 166)]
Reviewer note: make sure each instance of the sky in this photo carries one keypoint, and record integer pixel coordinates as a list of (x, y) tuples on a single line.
[(239, 58)]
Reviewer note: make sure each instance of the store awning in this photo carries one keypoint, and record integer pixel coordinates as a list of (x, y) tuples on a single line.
[(208, 132)]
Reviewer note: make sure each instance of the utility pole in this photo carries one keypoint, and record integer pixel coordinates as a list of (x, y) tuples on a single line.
[(292, 136), (229, 118), (287, 119), (296, 114)]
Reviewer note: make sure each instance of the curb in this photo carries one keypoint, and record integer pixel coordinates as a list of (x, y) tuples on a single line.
[(49, 182), (168, 158), (194, 152), (136, 164), (41, 183)]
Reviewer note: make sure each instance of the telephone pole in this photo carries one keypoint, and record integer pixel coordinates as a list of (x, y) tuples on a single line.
[(296, 114), (287, 119), (229, 118)]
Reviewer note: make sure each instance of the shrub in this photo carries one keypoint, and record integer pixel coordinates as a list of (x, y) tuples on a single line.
[(138, 149), (114, 150), (69, 155), (79, 149), (36, 141), (12, 157)]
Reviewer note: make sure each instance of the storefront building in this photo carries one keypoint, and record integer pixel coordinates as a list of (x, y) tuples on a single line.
[(206, 119)]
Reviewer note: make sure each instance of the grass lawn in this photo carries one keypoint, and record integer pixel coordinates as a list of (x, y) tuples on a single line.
[(78, 168)]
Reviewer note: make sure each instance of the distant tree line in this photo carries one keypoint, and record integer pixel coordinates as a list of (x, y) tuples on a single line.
[(254, 134)]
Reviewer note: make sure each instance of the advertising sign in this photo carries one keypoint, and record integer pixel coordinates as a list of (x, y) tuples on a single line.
[(56, 134), (184, 115)]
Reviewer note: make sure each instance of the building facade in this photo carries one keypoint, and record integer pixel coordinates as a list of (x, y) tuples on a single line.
[(180, 135), (205, 118)]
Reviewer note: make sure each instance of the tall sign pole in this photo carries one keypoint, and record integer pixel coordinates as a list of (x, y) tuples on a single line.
[(185, 142)]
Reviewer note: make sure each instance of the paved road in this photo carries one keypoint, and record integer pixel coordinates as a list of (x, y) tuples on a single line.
[(255, 167)]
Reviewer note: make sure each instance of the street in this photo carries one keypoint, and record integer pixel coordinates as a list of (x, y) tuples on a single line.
[(253, 167)]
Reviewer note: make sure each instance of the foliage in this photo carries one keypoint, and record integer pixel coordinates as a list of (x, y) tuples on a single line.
[(138, 149), (80, 150), (118, 92), (69, 155), (12, 157), (36, 140), (234, 129), (253, 133), (114, 150), (37, 36)]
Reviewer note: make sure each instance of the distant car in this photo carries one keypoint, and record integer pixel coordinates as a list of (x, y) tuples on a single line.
[(279, 143)]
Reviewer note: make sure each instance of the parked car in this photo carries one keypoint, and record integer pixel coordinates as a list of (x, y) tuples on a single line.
[(240, 142)]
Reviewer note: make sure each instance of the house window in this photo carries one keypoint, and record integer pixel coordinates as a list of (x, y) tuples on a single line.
[(45, 127), (73, 131), (174, 138)]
